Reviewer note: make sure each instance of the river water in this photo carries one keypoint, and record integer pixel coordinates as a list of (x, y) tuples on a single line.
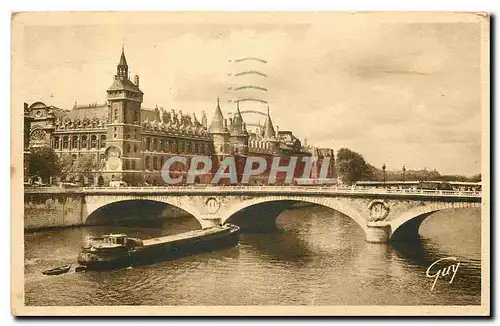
[(316, 257)]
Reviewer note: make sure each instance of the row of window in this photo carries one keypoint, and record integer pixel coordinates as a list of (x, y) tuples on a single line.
[(179, 146), (79, 142)]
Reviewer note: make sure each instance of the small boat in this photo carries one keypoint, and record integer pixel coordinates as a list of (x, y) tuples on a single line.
[(80, 269), (57, 270)]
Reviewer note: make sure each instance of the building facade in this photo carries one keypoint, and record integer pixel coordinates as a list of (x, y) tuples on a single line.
[(122, 141)]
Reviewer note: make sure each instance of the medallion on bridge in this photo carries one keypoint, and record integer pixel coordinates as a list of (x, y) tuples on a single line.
[(378, 210), (212, 205)]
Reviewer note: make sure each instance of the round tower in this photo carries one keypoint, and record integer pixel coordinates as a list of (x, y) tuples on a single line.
[(219, 132)]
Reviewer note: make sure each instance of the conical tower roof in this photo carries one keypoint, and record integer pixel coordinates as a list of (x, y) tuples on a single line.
[(217, 124), (268, 127), (237, 127), (123, 60)]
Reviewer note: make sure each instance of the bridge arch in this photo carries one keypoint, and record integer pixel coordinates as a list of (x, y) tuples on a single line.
[(405, 227), (337, 204), (93, 204)]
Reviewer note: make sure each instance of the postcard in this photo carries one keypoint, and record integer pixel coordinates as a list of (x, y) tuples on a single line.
[(250, 163)]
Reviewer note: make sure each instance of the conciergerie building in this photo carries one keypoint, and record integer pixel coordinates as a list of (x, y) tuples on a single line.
[(131, 143)]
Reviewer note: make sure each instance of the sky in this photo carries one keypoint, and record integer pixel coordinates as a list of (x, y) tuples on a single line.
[(398, 93)]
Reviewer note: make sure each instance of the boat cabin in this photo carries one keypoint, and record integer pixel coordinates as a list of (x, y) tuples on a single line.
[(115, 239)]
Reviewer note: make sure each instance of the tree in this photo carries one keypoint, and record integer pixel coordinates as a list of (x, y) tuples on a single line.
[(66, 164), (44, 163), (352, 167), (85, 166)]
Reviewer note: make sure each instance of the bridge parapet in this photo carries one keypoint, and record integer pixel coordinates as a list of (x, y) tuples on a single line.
[(287, 189), (379, 212)]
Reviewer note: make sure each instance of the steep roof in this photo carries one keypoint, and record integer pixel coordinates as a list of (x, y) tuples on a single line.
[(217, 124), (98, 111), (238, 126), (123, 84), (123, 61), (268, 127)]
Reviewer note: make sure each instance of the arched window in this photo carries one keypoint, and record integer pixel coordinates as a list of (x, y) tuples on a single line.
[(148, 162), (148, 144), (56, 142), (132, 165), (65, 142), (181, 146), (129, 148), (135, 148), (167, 146), (84, 141), (74, 142), (93, 141), (103, 141)]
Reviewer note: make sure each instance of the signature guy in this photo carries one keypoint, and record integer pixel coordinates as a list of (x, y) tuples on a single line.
[(434, 272)]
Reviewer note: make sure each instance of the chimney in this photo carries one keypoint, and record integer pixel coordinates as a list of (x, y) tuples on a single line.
[(136, 80)]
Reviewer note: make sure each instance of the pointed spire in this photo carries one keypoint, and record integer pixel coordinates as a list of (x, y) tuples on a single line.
[(217, 124), (237, 123), (123, 60), (268, 126), (122, 68)]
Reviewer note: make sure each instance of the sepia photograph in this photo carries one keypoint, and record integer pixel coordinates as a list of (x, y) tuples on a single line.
[(250, 163)]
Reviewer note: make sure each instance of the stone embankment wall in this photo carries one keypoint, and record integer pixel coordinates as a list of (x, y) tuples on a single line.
[(53, 209)]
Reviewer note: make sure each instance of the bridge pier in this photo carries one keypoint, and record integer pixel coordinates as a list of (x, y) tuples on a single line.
[(378, 232)]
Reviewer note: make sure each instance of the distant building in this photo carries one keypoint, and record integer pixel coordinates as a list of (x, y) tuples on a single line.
[(131, 143)]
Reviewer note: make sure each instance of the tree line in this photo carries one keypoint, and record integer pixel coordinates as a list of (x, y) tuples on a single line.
[(46, 164), (352, 167)]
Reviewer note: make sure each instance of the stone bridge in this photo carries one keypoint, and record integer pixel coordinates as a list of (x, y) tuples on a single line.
[(383, 214)]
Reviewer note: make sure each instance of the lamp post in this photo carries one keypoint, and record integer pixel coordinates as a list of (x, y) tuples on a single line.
[(383, 169), (404, 170)]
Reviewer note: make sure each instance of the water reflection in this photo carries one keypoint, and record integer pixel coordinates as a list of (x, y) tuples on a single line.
[(314, 257)]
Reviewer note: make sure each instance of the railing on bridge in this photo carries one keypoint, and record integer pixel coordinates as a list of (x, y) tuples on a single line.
[(259, 189), (286, 189)]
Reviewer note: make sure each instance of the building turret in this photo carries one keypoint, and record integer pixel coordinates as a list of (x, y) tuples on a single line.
[(219, 132), (268, 130), (269, 134), (239, 135), (237, 123)]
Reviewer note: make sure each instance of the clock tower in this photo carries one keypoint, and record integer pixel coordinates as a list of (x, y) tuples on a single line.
[(123, 138)]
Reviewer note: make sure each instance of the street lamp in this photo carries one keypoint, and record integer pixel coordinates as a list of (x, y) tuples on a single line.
[(404, 170), (383, 169)]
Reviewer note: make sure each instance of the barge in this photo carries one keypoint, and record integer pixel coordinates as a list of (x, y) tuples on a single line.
[(119, 250)]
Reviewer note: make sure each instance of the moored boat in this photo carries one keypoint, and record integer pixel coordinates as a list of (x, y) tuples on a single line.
[(58, 270), (119, 250)]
